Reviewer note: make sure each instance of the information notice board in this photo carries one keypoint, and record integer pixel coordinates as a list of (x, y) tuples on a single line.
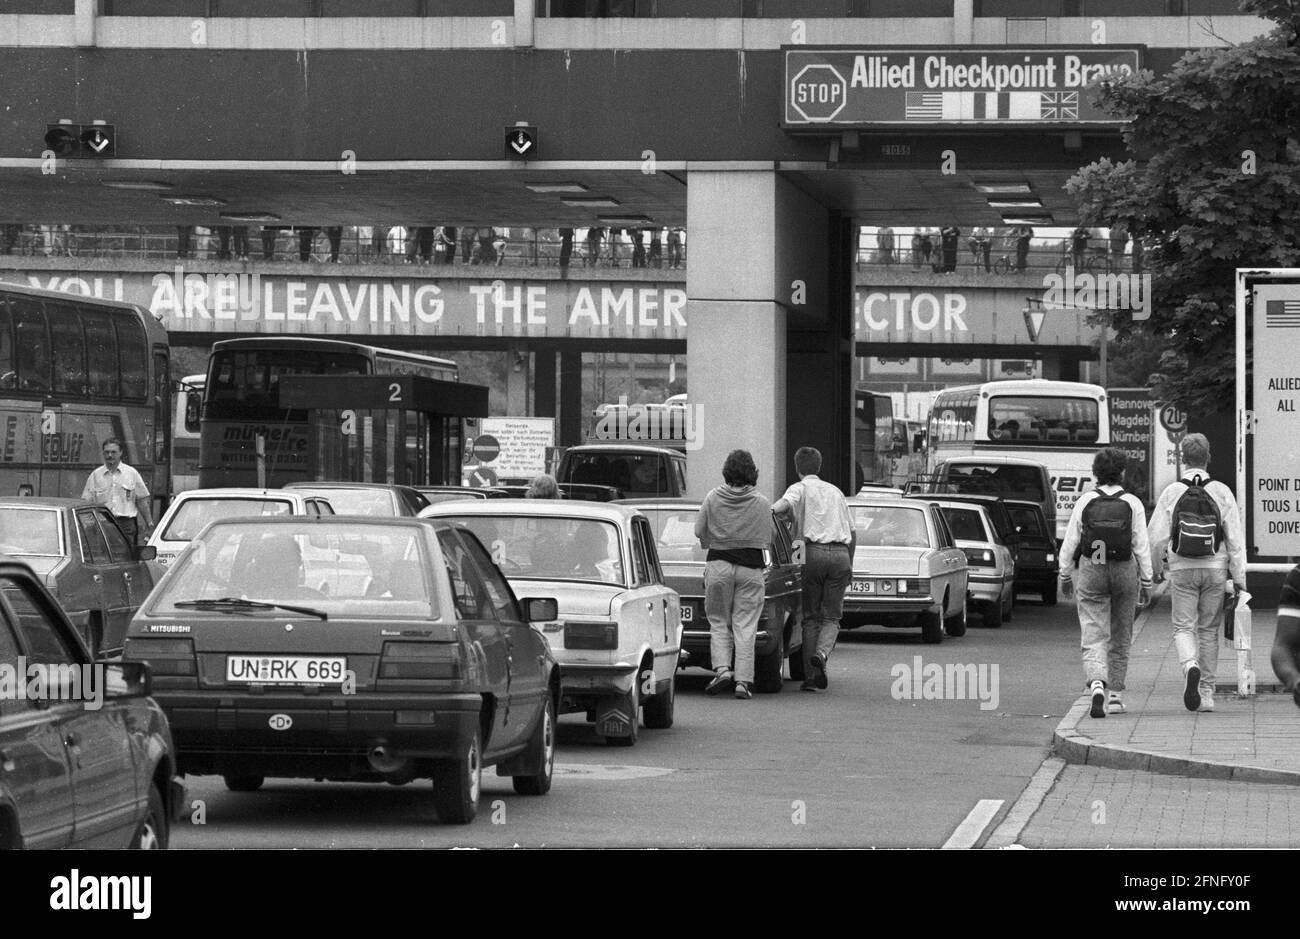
[(1269, 423)]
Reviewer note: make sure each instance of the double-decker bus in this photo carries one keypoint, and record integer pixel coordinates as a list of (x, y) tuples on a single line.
[(187, 411), (1061, 424), (873, 437), (241, 403), (75, 371)]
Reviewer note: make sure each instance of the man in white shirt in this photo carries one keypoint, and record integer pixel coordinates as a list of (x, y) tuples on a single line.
[(822, 523), (1198, 579), (122, 489)]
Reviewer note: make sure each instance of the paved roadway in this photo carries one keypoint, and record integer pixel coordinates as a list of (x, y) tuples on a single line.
[(851, 766)]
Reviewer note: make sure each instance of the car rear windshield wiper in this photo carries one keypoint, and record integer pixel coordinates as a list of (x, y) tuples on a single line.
[(240, 605)]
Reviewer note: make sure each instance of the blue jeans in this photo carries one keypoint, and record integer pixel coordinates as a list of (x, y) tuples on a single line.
[(1107, 596), (827, 571), (1197, 598)]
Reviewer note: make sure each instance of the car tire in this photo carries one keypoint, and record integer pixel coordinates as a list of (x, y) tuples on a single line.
[(797, 670), (154, 831), (458, 783), (931, 626), (658, 709), (956, 625), (1009, 608), (632, 701), (1049, 594), (992, 612), (243, 782), (769, 671), (543, 740)]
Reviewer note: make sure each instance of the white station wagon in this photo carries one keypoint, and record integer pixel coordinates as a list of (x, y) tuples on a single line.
[(619, 631), (192, 510)]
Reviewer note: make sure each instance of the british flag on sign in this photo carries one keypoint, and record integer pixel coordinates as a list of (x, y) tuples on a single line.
[(1058, 105)]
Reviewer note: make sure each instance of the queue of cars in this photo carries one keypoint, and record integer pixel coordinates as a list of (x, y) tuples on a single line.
[(320, 631)]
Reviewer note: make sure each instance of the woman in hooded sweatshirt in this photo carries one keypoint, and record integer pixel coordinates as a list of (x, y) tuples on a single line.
[(734, 525)]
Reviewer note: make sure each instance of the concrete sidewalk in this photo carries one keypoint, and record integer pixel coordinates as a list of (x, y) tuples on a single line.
[(1255, 739)]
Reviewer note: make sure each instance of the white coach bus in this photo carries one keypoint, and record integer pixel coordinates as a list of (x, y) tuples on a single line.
[(1061, 424)]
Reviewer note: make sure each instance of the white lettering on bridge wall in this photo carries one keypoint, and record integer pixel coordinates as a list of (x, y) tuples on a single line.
[(903, 312)]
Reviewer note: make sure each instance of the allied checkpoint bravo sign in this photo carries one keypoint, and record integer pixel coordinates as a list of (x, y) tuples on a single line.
[(841, 87)]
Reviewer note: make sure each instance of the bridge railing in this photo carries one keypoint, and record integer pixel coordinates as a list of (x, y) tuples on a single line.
[(357, 246)]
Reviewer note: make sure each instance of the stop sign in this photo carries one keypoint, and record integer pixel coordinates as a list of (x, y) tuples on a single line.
[(818, 92)]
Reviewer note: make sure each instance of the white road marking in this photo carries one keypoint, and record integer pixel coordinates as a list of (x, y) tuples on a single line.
[(969, 831)]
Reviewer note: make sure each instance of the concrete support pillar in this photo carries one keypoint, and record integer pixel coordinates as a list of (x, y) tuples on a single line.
[(85, 12), (544, 399), (524, 13), (517, 381), (765, 329), (963, 21), (571, 430)]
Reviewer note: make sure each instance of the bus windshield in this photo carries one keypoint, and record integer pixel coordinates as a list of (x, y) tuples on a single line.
[(246, 383), (1022, 417)]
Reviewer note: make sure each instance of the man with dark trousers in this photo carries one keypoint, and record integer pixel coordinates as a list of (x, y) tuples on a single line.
[(822, 524)]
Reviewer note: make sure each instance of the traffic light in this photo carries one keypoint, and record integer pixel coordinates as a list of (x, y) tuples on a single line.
[(63, 139), (81, 140), (521, 142)]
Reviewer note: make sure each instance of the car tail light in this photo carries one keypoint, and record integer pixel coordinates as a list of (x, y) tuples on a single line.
[(591, 635), (421, 660), (980, 557), (165, 656), (914, 587)]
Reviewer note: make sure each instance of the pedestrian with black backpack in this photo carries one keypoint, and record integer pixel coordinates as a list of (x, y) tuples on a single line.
[(1197, 519), (1106, 543)]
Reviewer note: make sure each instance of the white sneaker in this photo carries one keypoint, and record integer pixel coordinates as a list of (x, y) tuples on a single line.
[(1116, 704), (1207, 701), (1098, 708)]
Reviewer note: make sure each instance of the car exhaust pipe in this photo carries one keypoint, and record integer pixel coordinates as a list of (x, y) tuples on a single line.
[(396, 770)]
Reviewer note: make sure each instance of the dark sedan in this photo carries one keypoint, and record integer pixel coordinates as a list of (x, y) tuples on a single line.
[(86, 758), (1039, 566), (81, 554), (375, 499), (780, 634), (346, 648)]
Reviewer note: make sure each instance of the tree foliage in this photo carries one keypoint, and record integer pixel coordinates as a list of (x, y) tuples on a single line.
[(1215, 186)]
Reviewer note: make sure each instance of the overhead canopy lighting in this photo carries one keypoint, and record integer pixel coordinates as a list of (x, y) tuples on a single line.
[(1027, 220), (1004, 187), (251, 216), (624, 221), (1016, 203), (556, 187), (147, 185), (593, 202), (194, 200)]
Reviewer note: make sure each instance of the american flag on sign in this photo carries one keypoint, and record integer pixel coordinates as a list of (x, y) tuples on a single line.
[(1282, 314), (923, 106), (1058, 105)]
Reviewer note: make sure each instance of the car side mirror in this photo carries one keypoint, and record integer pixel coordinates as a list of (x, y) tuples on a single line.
[(146, 552), (541, 609), (122, 680)]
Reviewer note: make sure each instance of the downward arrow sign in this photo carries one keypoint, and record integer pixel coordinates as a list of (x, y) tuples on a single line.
[(99, 143), (521, 143)]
